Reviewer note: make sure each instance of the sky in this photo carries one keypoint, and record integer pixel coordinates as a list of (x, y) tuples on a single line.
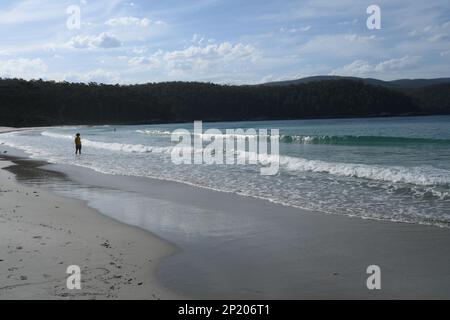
[(221, 41)]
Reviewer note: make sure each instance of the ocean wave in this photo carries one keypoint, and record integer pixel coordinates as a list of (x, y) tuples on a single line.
[(204, 135), (154, 132), (425, 176), (323, 139), (420, 192), (112, 146), (359, 140)]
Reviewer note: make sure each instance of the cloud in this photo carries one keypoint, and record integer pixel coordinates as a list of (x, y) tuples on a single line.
[(144, 61), (295, 30), (348, 22), (26, 12), (103, 40), (139, 50), (23, 68), (224, 50), (133, 21), (433, 32), (360, 68), (358, 38), (198, 61), (29, 11), (439, 37), (396, 64), (341, 45), (96, 75), (213, 57), (356, 68), (272, 78)]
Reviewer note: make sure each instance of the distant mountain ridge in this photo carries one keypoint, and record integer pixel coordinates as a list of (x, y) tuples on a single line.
[(400, 84)]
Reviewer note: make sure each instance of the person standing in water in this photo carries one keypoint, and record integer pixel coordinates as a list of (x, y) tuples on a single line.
[(78, 144)]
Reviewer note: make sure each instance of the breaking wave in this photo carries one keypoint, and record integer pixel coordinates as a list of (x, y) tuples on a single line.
[(113, 146), (425, 176), (324, 139), (360, 140)]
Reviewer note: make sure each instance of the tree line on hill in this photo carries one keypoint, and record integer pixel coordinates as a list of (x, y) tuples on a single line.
[(44, 103)]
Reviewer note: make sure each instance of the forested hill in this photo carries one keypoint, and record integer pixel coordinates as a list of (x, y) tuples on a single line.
[(35, 103), (394, 84)]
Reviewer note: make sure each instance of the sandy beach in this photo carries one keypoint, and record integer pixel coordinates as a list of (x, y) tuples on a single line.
[(42, 234)]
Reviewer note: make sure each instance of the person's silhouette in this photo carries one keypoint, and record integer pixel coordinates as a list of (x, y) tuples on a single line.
[(78, 144)]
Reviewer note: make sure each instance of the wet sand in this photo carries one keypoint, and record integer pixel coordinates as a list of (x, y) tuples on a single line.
[(41, 234)]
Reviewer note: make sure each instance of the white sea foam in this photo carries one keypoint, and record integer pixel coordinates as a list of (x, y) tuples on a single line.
[(113, 146), (425, 176), (413, 175), (400, 193), (154, 132), (205, 136)]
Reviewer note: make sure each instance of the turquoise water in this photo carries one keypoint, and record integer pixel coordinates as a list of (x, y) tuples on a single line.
[(385, 168)]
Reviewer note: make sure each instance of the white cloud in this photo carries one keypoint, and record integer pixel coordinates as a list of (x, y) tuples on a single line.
[(395, 64), (295, 30), (197, 39), (133, 21), (139, 51), (96, 75), (103, 40), (356, 68), (360, 68), (198, 61), (348, 22), (433, 33), (23, 68), (267, 78), (445, 53), (144, 61), (29, 11), (341, 45), (224, 50), (272, 78), (358, 38), (439, 37)]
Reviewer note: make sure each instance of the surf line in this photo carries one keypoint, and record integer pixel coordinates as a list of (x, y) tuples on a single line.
[(234, 147)]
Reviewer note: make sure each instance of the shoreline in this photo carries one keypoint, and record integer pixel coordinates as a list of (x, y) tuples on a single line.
[(66, 168), (43, 233), (231, 244)]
